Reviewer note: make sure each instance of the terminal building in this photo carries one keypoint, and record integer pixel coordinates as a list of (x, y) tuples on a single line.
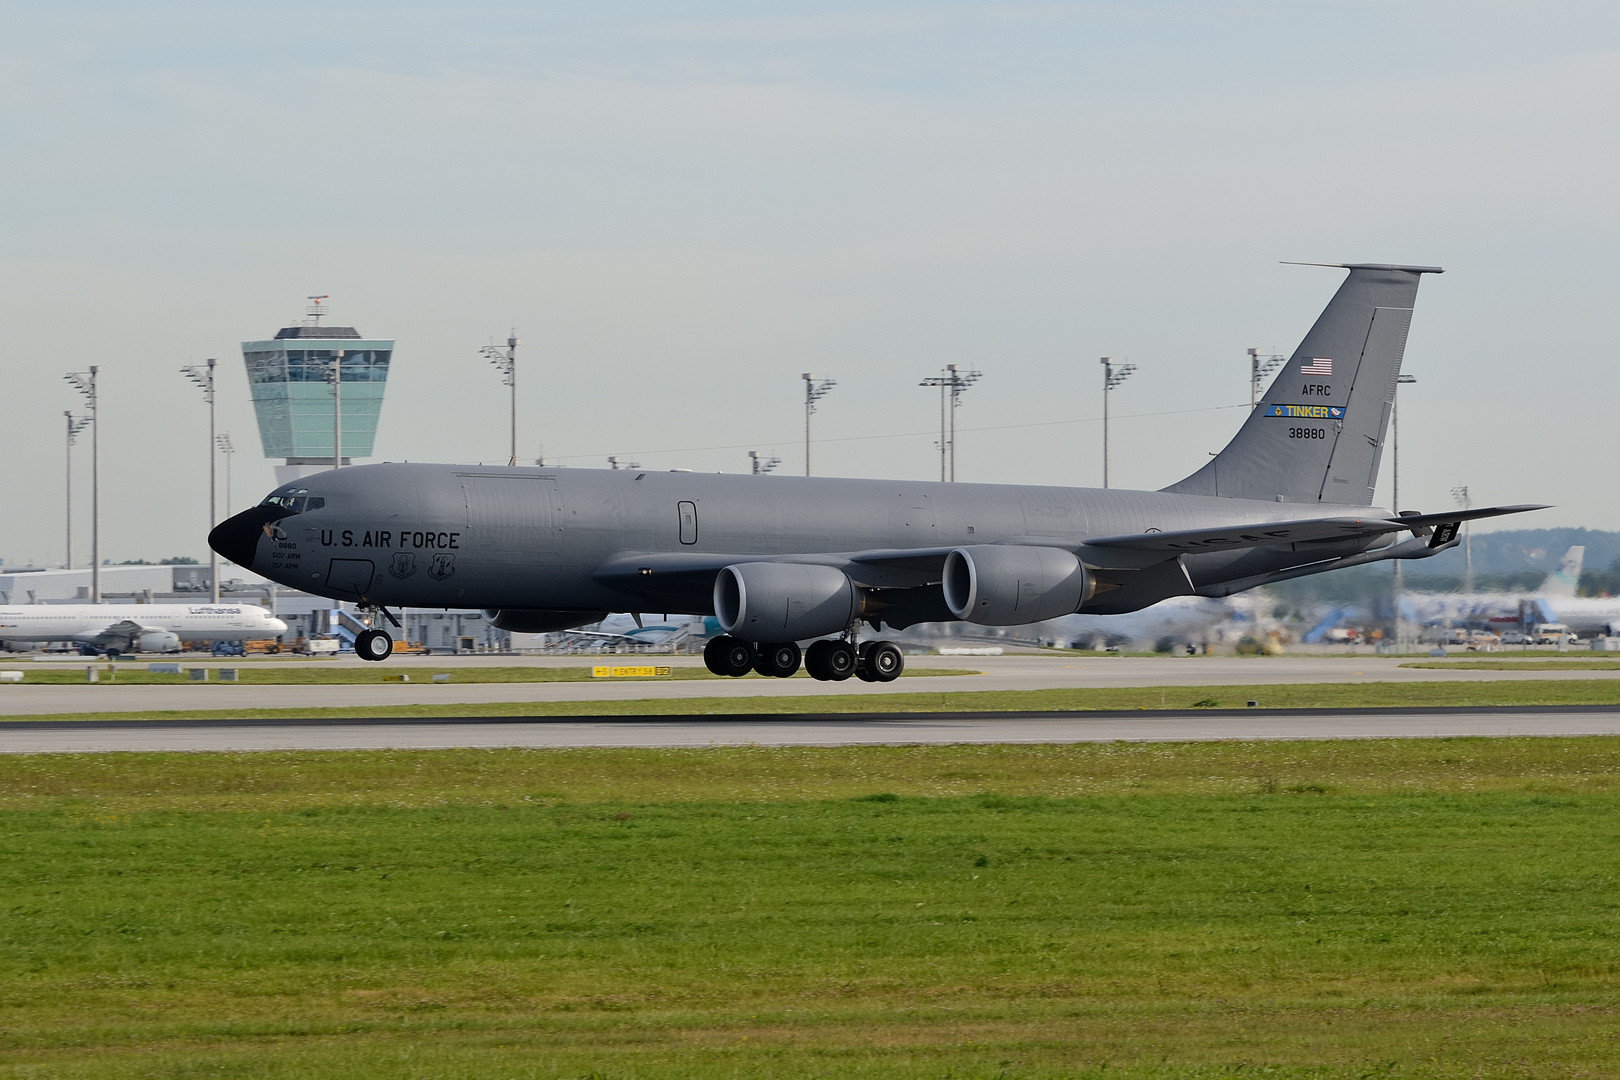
[(295, 398)]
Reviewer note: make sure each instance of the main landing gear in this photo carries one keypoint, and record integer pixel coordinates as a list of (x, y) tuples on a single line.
[(831, 660)]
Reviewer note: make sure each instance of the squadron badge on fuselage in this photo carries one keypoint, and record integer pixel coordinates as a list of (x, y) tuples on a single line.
[(404, 564), (442, 567)]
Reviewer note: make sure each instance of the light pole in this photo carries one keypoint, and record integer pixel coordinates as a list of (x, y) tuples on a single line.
[(1460, 493), (960, 381), (952, 385), (85, 383), (814, 390), (204, 377), (1400, 569), (75, 424), (1112, 377), (337, 409), (1259, 369), (506, 364), (225, 447), (944, 444)]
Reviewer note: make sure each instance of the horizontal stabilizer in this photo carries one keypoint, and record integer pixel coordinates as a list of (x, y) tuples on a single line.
[(1420, 520), (1276, 533)]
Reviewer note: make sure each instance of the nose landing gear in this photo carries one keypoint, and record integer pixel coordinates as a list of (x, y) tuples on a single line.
[(373, 645)]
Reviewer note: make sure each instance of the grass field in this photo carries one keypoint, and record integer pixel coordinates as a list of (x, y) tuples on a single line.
[(1278, 696), (1506, 664), (1344, 909)]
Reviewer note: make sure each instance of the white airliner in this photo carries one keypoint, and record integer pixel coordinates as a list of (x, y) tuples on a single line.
[(126, 628)]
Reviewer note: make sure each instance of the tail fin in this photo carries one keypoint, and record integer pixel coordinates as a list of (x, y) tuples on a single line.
[(1318, 434), (1562, 581)]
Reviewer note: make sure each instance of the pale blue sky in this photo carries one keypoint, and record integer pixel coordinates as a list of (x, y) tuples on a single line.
[(682, 208)]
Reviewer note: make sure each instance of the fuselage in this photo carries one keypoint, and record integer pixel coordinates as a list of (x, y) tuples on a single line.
[(537, 538), (120, 624)]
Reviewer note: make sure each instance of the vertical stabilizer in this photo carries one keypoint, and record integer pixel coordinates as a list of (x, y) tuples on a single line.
[(1563, 581), (1318, 434)]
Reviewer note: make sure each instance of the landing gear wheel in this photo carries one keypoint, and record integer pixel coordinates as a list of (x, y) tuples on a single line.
[(373, 645), (779, 660), (883, 662), (839, 660), (728, 656), (815, 660), (863, 671)]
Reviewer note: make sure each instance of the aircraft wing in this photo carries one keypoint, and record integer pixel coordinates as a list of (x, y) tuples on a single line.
[(665, 573), (123, 630), (1142, 568)]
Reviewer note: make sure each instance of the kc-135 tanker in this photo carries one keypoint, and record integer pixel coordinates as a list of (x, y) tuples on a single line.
[(781, 561)]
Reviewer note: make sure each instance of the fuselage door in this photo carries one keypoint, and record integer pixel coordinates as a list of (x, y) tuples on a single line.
[(687, 513)]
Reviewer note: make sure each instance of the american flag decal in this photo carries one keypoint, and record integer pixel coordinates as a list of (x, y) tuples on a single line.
[(1319, 365)]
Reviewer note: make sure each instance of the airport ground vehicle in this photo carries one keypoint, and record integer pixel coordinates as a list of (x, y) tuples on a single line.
[(1554, 634)]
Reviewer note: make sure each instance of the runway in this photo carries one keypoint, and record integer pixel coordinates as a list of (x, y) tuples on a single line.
[(60, 736), (1013, 672)]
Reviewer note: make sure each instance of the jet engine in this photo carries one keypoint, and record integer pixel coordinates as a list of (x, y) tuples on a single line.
[(1005, 585), (157, 641), (773, 601), (519, 621)]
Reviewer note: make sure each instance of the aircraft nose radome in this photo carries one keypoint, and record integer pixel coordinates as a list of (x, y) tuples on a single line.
[(276, 626), (237, 538)]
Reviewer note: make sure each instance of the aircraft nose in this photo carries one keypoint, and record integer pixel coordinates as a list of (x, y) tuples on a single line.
[(276, 626), (237, 537)]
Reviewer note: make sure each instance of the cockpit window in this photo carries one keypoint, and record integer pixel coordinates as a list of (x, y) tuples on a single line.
[(295, 502)]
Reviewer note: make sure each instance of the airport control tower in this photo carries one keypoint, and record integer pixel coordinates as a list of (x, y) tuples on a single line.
[(295, 398)]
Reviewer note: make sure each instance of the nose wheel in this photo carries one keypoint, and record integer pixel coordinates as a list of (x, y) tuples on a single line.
[(373, 645)]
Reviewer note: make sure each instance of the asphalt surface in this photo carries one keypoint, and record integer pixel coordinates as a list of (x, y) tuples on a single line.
[(1015, 672), (808, 730)]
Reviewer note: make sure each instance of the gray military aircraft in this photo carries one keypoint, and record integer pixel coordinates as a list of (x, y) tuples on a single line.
[(780, 560)]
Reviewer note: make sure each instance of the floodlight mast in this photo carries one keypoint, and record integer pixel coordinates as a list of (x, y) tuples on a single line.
[(952, 385), (506, 364), (814, 390), (336, 372), (223, 441), (1460, 493), (75, 424), (1258, 370), (1395, 496), (85, 383), (1112, 377), (204, 377)]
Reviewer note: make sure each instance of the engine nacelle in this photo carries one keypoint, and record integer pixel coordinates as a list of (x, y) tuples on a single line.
[(1005, 585), (772, 601), (521, 621), (157, 641)]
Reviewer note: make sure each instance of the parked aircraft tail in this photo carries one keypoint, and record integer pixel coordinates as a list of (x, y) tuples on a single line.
[(1562, 581), (1318, 434)]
